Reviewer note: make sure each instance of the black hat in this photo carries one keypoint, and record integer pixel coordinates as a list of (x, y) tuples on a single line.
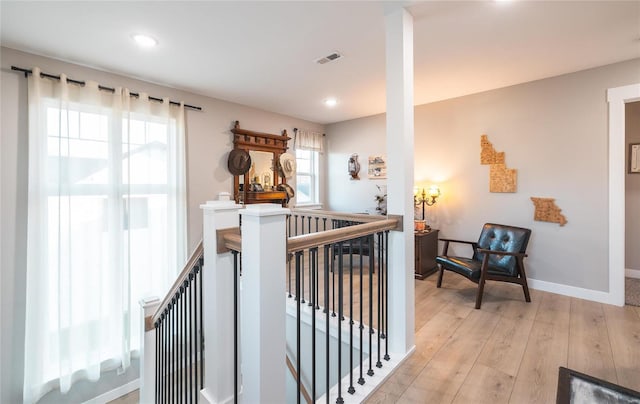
[(239, 162)]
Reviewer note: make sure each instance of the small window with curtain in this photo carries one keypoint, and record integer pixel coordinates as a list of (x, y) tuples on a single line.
[(307, 177), (308, 147)]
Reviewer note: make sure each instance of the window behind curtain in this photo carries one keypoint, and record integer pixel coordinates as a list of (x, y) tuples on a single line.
[(307, 182), (106, 226)]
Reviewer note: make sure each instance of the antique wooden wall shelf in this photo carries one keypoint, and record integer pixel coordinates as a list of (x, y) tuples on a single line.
[(265, 150)]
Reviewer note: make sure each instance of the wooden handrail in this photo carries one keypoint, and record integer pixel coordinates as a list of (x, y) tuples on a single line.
[(303, 389), (353, 217), (311, 240), (193, 259), (233, 241)]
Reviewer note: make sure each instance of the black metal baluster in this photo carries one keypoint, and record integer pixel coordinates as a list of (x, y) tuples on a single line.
[(371, 266), (201, 338), (324, 221), (298, 327), (195, 332), (351, 389), (165, 370), (289, 259), (309, 223), (174, 394), (158, 361), (383, 277), (317, 228), (302, 224), (187, 390), (301, 275), (311, 282), (379, 363), (314, 301), (235, 326), (295, 218), (333, 279), (191, 337), (340, 400), (179, 346), (327, 249), (386, 299), (187, 335), (361, 379)]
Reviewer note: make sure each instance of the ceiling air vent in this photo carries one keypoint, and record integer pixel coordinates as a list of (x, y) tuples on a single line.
[(329, 58)]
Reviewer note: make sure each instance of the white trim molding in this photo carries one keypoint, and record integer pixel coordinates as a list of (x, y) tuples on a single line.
[(617, 97), (115, 393), (632, 273), (571, 291)]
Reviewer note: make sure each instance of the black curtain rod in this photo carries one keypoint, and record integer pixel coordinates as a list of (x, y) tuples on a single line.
[(110, 89)]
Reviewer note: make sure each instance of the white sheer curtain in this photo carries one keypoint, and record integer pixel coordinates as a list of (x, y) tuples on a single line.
[(308, 140), (106, 226)]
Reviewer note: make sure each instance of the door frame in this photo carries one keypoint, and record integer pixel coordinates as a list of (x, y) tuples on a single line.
[(617, 98)]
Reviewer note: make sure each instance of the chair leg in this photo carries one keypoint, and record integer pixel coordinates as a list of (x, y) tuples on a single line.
[(480, 292), (440, 276), (525, 287), (483, 278)]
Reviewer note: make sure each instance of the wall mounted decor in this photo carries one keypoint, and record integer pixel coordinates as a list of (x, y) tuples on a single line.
[(377, 167), (634, 158), (354, 167), (501, 178), (547, 211), (489, 155)]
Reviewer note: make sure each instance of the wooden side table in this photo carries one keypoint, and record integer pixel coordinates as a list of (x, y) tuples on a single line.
[(426, 252)]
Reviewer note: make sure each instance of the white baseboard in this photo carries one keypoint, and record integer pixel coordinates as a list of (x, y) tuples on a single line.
[(632, 273), (572, 291), (115, 393)]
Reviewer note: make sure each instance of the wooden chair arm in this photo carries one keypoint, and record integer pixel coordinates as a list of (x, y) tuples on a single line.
[(494, 252), (445, 247), (458, 241)]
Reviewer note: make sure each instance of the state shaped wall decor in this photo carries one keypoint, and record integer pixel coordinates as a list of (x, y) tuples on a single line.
[(546, 210), (501, 178), (489, 155)]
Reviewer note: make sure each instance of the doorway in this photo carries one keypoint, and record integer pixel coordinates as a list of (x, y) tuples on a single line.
[(632, 203), (618, 98)]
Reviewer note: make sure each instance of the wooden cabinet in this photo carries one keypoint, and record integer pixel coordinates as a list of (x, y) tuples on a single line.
[(426, 252)]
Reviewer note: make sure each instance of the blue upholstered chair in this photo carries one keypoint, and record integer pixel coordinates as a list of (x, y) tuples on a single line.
[(498, 255)]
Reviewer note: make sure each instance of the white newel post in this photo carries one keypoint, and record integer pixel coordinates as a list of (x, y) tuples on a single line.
[(263, 338), (217, 295), (148, 307)]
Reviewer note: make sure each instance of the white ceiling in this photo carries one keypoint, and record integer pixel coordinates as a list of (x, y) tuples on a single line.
[(262, 54)]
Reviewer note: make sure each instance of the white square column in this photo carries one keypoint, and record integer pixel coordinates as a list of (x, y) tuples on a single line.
[(400, 144), (217, 295), (263, 336)]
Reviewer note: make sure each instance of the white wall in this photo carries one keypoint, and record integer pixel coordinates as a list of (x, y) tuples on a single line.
[(554, 131), (208, 142), (632, 202), (366, 137)]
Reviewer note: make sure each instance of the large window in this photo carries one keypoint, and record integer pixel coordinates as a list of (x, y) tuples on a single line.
[(106, 227), (307, 177)]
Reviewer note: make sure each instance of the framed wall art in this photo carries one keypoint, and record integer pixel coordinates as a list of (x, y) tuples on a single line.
[(377, 167), (634, 158)]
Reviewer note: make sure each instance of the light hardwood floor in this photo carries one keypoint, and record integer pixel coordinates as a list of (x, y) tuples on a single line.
[(509, 351)]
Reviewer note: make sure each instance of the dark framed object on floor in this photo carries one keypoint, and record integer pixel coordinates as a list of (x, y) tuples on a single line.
[(576, 387)]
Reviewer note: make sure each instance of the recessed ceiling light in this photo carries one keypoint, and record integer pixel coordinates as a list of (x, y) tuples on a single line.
[(145, 40), (330, 102)]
